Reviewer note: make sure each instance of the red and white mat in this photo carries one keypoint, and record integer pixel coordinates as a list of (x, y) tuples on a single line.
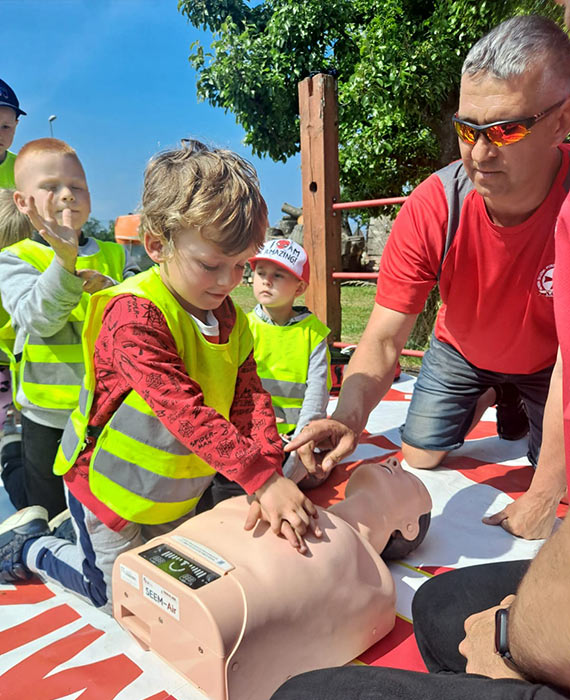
[(55, 647)]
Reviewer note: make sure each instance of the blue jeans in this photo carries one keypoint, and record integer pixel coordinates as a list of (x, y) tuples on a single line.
[(446, 393)]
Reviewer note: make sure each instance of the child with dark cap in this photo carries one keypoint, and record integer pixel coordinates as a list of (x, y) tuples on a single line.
[(9, 114)]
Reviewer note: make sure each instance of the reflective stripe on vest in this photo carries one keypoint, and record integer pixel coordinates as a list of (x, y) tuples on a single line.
[(7, 337), (282, 354), (50, 370), (287, 418), (138, 468)]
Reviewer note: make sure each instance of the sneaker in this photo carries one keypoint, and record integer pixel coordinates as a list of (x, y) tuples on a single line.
[(27, 524), (512, 420), (62, 526)]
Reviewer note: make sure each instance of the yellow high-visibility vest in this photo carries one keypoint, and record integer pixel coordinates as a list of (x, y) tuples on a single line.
[(138, 468), (7, 171), (282, 356), (50, 370)]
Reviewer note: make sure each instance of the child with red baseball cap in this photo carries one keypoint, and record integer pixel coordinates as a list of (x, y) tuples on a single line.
[(290, 344)]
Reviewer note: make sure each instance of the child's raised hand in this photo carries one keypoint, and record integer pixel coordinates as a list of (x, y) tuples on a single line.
[(61, 237), (288, 511), (94, 281)]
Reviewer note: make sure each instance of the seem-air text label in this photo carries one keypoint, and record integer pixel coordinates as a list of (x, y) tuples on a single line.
[(161, 597)]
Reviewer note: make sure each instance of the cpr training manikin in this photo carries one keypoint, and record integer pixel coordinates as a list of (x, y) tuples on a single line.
[(238, 612)]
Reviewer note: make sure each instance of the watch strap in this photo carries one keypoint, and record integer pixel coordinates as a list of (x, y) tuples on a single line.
[(502, 634)]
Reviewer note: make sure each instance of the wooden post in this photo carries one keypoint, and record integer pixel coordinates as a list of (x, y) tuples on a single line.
[(320, 179)]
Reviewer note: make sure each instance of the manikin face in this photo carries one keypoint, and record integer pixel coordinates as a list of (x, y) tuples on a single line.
[(275, 287), (60, 174), (507, 174), (8, 124), (382, 498), (199, 274)]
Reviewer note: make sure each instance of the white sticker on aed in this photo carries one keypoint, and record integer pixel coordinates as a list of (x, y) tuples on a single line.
[(129, 576), (161, 597), (205, 552)]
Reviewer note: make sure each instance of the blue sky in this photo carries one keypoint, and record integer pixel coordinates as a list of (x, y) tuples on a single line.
[(116, 74)]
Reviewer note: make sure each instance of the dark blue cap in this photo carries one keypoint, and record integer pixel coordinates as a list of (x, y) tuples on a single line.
[(8, 98)]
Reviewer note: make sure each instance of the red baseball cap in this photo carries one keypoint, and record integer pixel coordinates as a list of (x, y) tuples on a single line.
[(287, 254)]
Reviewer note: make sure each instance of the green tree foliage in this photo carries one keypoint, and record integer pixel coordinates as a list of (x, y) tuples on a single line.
[(93, 228), (398, 63)]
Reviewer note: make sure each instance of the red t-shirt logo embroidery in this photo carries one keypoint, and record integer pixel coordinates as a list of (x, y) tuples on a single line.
[(544, 281)]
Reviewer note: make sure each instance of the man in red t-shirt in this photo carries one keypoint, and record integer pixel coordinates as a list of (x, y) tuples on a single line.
[(519, 647), (484, 228)]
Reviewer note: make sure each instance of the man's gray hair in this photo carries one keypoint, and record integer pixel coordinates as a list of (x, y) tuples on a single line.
[(517, 46)]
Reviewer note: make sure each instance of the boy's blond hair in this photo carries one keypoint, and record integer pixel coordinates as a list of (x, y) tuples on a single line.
[(40, 146), (14, 226), (202, 188)]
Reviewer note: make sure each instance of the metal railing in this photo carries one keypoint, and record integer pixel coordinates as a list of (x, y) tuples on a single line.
[(341, 206)]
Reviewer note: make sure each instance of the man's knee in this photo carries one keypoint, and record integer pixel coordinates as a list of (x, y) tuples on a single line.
[(422, 459)]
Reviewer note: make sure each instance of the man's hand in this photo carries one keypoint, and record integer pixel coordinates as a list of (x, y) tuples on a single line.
[(325, 434), (478, 646), (94, 281), (61, 237), (288, 511), (530, 516)]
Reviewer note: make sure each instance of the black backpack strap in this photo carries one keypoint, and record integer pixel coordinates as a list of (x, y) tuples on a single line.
[(456, 186)]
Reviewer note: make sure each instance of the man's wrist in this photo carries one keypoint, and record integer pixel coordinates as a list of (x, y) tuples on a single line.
[(549, 496), (349, 422)]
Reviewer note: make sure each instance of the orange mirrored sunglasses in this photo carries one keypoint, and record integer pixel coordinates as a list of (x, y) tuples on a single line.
[(501, 133)]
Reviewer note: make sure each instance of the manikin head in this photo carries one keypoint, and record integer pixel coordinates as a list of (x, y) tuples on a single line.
[(388, 506)]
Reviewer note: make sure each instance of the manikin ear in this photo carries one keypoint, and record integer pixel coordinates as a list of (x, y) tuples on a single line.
[(562, 123), (154, 248)]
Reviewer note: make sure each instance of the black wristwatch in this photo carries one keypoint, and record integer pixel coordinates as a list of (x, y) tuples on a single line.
[(502, 634)]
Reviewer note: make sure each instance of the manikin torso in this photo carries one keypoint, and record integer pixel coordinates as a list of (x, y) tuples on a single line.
[(238, 612)]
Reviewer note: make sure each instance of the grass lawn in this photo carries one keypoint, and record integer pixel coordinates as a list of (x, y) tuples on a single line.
[(356, 304)]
